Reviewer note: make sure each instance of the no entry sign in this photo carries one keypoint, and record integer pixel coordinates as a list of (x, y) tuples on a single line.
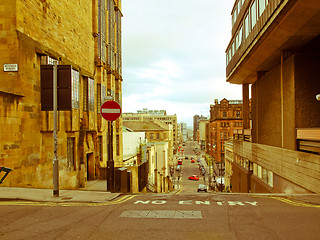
[(110, 110)]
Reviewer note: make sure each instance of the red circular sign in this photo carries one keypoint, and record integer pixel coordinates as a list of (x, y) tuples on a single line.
[(110, 110)]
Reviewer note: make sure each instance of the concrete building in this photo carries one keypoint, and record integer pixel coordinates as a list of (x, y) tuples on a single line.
[(84, 37), (275, 48)]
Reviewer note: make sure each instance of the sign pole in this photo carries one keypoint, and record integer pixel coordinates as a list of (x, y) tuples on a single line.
[(110, 111), (55, 175)]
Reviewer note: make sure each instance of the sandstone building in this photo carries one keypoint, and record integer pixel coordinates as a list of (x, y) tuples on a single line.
[(225, 117), (85, 38)]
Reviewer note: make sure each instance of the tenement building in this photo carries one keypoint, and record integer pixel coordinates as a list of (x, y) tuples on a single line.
[(84, 39), (275, 50), (225, 117)]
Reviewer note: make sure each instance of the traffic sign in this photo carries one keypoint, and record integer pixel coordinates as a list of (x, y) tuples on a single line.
[(110, 110)]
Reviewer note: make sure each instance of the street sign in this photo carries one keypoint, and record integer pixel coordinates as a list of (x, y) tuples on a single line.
[(110, 110)]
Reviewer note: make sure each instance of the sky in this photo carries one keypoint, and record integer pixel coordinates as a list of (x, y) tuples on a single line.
[(173, 54)]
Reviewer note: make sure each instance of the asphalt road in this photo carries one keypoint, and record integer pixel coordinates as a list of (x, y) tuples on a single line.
[(163, 216), (189, 169), (184, 215)]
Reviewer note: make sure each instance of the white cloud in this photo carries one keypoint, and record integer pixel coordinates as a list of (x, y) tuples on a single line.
[(174, 55)]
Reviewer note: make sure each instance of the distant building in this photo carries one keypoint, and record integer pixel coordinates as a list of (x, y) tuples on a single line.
[(184, 132), (225, 117), (196, 121), (202, 133), (161, 115)]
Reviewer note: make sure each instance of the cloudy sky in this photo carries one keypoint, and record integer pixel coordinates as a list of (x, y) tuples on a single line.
[(174, 56)]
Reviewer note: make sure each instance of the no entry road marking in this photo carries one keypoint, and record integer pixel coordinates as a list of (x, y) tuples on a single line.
[(161, 214)]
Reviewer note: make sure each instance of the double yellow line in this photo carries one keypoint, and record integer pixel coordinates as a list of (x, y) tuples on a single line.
[(295, 203), (67, 204)]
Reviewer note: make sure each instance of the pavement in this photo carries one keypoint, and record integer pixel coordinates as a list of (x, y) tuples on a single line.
[(95, 192)]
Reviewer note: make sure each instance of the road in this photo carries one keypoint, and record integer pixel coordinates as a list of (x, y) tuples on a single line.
[(163, 216), (184, 214), (189, 169)]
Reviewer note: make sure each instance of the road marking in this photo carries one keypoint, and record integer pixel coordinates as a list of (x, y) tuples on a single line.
[(67, 204), (295, 203), (162, 214), (191, 202), (179, 191)]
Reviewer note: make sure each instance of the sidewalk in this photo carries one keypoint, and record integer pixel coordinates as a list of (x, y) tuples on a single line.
[(94, 193)]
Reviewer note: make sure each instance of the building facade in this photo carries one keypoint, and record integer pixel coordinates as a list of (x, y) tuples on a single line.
[(225, 118), (196, 121), (161, 115), (159, 142), (84, 38), (274, 48)]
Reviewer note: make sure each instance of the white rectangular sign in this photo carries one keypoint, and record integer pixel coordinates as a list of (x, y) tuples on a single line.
[(10, 67)]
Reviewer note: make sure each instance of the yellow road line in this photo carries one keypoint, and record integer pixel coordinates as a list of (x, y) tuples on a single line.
[(179, 191), (295, 203), (288, 201), (67, 204)]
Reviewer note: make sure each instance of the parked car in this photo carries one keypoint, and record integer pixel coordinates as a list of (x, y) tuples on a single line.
[(186, 157), (179, 162), (192, 161), (178, 168), (202, 187), (193, 177)]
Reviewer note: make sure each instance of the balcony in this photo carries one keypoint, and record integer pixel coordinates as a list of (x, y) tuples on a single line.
[(300, 168), (283, 25)]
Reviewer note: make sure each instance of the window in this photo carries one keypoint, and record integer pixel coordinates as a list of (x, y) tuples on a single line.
[(98, 97), (262, 6), (224, 114), (85, 94), (239, 6), (239, 36), (247, 27), (151, 136), (158, 136), (118, 145), (91, 94), (253, 11), (75, 89), (102, 30), (70, 154), (99, 153), (270, 178)]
